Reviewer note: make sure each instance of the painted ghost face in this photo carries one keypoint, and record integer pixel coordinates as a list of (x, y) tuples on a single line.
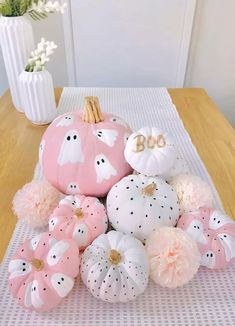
[(66, 121), (107, 136), (32, 297), (41, 149), (228, 244), (104, 169), (71, 151), (34, 242), (80, 235), (119, 121), (52, 223), (19, 267), (73, 188), (208, 259), (56, 252), (62, 284), (217, 220), (71, 201), (195, 230)]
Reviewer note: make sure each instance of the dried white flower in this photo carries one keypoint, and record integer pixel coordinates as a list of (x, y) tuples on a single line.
[(40, 56), (47, 7)]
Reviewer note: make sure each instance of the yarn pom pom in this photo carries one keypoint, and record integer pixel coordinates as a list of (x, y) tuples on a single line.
[(192, 192), (35, 202), (173, 257)]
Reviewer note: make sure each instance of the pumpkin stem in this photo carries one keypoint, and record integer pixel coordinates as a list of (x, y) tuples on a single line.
[(38, 264), (149, 189), (79, 213), (115, 257), (92, 111)]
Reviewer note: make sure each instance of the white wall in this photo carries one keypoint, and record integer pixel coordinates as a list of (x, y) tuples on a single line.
[(211, 62)]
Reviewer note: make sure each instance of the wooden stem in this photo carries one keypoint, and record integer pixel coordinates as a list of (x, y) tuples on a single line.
[(149, 189), (38, 264), (115, 257), (92, 111), (79, 213)]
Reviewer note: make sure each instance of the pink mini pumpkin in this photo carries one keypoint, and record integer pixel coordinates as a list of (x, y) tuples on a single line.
[(84, 153), (214, 233), (42, 271), (79, 217)]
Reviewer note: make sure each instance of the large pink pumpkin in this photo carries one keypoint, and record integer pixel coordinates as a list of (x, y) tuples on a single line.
[(79, 217), (214, 233), (84, 153), (42, 271)]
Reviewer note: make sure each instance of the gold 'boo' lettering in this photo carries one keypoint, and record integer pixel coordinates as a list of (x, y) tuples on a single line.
[(140, 140), (152, 142)]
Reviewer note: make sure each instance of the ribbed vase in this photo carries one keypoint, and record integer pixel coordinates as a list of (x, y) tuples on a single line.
[(17, 42), (38, 97)]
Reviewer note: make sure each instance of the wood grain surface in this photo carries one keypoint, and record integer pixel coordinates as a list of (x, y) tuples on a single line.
[(211, 133)]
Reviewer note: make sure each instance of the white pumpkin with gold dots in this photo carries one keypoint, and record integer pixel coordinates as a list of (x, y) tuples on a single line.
[(150, 151), (138, 205), (114, 267)]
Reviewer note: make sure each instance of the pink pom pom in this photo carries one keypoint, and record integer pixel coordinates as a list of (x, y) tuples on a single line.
[(173, 257), (35, 202), (192, 192)]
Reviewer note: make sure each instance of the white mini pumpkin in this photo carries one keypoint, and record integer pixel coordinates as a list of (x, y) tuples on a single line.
[(138, 204), (114, 267), (150, 151), (179, 167)]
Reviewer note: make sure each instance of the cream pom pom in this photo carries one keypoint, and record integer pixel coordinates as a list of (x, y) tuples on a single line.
[(34, 203), (192, 192), (173, 257)]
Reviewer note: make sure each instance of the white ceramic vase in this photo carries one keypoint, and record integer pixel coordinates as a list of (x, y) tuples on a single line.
[(17, 42), (37, 96)]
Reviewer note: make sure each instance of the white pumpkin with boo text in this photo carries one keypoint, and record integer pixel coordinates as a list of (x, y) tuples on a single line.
[(138, 205), (150, 151), (114, 267)]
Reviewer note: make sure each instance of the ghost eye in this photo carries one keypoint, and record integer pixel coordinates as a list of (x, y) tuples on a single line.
[(62, 279), (66, 117), (54, 256), (75, 137), (198, 228), (195, 227), (225, 236), (68, 138), (207, 255), (98, 162), (218, 222), (114, 119), (211, 255), (74, 186), (102, 160)]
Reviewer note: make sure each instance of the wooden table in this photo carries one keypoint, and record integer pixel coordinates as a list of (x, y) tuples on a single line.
[(211, 133)]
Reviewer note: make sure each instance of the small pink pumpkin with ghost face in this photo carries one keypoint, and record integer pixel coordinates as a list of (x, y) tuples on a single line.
[(80, 218), (84, 153), (214, 233), (42, 271)]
